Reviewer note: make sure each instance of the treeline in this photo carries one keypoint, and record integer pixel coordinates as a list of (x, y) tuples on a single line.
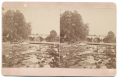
[(14, 26), (110, 38), (53, 37), (72, 27)]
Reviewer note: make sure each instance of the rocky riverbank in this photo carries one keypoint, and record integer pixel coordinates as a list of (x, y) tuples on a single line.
[(30, 56), (87, 56)]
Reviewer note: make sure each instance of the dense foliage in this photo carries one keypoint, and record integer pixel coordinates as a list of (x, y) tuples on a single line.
[(110, 38), (14, 26), (72, 26), (53, 37)]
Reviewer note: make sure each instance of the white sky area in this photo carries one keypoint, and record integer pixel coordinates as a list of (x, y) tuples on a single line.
[(100, 20), (43, 20)]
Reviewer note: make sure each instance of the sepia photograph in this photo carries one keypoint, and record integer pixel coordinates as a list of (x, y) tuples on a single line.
[(54, 38), (88, 38), (30, 37)]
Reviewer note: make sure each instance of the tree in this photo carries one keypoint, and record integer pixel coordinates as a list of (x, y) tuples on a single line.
[(53, 34), (52, 37), (14, 25), (72, 26), (111, 37)]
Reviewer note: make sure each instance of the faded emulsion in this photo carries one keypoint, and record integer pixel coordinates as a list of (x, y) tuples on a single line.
[(58, 38), (83, 44), (28, 42)]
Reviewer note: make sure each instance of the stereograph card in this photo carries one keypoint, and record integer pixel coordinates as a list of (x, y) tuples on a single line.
[(58, 39)]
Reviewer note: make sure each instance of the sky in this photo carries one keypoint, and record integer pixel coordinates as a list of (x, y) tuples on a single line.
[(43, 20), (101, 20)]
